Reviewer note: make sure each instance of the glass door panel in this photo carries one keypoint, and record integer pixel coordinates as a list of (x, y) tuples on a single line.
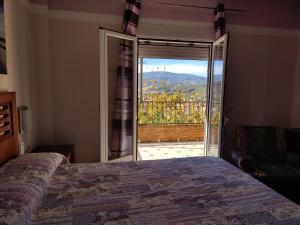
[(215, 109), (118, 89)]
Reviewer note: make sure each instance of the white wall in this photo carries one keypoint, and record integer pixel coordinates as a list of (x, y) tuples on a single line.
[(21, 62), (75, 74), (295, 112), (259, 81), (43, 51)]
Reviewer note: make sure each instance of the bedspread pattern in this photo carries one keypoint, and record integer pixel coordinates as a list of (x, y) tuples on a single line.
[(191, 191)]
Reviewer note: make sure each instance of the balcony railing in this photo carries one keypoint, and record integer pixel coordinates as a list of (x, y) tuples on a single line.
[(171, 112)]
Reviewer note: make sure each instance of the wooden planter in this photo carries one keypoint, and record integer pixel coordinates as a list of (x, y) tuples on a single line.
[(170, 133)]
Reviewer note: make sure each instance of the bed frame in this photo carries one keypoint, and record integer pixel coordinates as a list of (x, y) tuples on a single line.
[(9, 145)]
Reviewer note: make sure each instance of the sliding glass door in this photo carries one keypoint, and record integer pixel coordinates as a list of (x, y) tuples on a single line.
[(118, 94), (216, 94)]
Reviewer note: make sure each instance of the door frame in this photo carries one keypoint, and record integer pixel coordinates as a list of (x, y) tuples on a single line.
[(224, 39), (209, 43), (104, 142), (208, 92), (103, 105)]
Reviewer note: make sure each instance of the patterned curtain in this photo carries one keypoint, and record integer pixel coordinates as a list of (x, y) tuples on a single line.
[(219, 20), (122, 133)]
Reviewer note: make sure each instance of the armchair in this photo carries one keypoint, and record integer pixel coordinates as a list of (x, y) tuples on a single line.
[(267, 154)]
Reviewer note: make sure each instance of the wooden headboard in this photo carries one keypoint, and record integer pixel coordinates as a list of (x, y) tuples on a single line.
[(9, 146)]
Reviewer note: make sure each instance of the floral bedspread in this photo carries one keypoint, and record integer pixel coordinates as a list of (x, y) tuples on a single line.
[(190, 191)]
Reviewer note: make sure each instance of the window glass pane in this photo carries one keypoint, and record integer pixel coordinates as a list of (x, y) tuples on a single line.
[(216, 100), (120, 61)]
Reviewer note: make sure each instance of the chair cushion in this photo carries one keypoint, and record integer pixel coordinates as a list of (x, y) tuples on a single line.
[(292, 137), (262, 143), (293, 159)]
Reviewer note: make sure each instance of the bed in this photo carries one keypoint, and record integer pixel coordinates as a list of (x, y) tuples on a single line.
[(42, 188)]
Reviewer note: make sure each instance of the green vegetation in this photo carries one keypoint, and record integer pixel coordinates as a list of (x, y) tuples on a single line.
[(170, 109), (171, 99)]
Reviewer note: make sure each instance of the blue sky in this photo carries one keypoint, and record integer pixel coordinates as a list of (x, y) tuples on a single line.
[(195, 67)]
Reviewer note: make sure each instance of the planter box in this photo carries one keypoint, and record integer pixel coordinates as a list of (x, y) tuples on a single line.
[(170, 133)]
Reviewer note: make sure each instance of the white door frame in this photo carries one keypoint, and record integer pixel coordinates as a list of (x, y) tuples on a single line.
[(224, 39), (208, 92), (103, 36)]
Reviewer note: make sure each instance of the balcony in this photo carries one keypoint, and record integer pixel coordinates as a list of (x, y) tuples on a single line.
[(170, 129), (164, 150)]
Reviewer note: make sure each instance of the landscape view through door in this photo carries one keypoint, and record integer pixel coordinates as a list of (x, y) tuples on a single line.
[(172, 99), (180, 98)]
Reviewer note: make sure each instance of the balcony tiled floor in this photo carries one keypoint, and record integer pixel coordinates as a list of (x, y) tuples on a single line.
[(166, 150)]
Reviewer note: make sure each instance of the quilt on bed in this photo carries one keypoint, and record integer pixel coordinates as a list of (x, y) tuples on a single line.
[(190, 191)]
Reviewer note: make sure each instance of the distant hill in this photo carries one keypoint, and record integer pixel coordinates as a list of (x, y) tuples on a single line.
[(167, 82), (174, 78)]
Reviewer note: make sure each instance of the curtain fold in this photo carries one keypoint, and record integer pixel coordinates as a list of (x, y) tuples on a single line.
[(122, 124), (219, 20)]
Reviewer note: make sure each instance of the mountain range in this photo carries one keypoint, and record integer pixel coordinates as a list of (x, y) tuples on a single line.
[(169, 82), (176, 77), (173, 78)]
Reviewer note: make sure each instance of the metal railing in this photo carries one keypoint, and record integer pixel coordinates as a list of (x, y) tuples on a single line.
[(171, 112)]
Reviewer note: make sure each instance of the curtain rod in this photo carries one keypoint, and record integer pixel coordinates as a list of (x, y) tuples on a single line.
[(194, 6)]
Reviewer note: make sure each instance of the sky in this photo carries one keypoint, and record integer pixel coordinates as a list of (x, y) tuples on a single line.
[(195, 67)]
